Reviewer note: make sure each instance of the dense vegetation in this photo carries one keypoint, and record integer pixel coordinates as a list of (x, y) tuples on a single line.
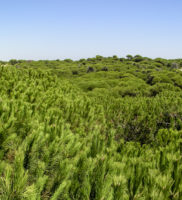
[(93, 129)]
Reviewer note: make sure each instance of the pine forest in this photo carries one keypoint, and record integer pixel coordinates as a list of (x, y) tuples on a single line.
[(102, 128)]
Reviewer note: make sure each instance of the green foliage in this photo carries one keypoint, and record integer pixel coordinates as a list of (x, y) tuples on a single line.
[(111, 134), (13, 61)]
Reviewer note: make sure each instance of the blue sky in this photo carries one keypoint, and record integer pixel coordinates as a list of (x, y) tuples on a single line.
[(59, 29)]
